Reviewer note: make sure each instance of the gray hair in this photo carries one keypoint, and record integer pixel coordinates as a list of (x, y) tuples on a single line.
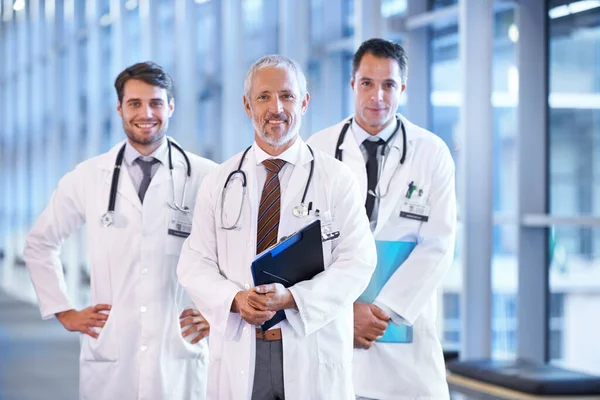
[(279, 61)]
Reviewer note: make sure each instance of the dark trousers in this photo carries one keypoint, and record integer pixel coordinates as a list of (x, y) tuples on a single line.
[(268, 371)]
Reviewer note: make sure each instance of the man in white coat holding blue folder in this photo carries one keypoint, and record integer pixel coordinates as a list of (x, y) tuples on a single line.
[(272, 189), (406, 179)]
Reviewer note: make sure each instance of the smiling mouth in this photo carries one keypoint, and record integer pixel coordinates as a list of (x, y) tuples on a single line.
[(146, 125)]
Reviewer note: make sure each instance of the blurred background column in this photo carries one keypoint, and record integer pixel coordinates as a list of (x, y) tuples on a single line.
[(533, 289), (475, 168)]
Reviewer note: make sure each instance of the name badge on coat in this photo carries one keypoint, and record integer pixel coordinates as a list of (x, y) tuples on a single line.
[(416, 211), (180, 224)]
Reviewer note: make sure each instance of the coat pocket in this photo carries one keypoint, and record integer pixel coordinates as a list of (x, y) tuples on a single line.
[(105, 347), (331, 345)]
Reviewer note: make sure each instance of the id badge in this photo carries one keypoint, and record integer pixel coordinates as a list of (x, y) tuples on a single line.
[(327, 232), (416, 211), (180, 224)]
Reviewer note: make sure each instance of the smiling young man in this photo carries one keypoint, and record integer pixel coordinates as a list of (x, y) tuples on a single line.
[(307, 355), (406, 179), (133, 336)]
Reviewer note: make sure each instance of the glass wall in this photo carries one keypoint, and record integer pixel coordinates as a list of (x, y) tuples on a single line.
[(574, 184)]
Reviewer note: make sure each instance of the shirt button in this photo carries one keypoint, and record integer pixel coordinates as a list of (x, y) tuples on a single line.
[(145, 271), (249, 243), (247, 286), (144, 348), (242, 372), (143, 309), (245, 329)]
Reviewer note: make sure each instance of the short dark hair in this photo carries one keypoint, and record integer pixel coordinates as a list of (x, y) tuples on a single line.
[(148, 72), (383, 49)]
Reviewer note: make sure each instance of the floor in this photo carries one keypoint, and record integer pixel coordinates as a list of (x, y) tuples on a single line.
[(40, 360)]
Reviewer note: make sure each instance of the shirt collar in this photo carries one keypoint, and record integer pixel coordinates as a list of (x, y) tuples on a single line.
[(290, 156), (131, 154), (361, 135)]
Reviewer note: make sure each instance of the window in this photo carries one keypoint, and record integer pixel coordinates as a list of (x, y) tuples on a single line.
[(574, 184)]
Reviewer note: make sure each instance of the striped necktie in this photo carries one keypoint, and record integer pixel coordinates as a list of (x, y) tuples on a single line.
[(268, 211)]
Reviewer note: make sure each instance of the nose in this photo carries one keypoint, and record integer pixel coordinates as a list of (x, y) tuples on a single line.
[(147, 111), (276, 105), (377, 95)]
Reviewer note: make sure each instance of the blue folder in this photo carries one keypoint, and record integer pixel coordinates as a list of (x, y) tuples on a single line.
[(297, 258), (390, 256)]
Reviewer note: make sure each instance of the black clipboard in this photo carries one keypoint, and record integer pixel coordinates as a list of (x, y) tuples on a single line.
[(297, 258)]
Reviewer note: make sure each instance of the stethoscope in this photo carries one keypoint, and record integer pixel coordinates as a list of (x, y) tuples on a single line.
[(338, 154), (299, 211), (108, 217)]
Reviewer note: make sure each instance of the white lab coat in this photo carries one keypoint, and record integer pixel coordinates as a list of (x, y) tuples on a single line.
[(415, 370), (215, 265), (140, 353)]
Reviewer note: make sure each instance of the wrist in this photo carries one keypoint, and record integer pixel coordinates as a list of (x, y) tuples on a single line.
[(61, 314), (290, 301), (235, 307)]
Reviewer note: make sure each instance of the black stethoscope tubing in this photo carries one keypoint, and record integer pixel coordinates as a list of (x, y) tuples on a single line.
[(244, 180), (117, 170), (399, 124)]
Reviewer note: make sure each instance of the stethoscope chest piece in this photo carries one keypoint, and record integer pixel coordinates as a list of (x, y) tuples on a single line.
[(107, 219), (300, 211)]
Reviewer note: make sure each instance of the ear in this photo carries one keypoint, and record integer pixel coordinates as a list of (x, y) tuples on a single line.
[(247, 107), (171, 107), (403, 88), (119, 109), (352, 83), (305, 102)]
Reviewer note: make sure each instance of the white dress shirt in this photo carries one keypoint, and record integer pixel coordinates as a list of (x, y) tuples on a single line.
[(134, 169)]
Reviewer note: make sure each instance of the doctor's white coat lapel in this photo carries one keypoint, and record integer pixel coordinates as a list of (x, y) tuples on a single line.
[(125, 186), (396, 176), (297, 181), (353, 157)]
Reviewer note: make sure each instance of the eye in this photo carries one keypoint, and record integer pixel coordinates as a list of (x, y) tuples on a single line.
[(135, 104), (365, 83), (156, 104), (288, 96), (263, 97), (390, 85)]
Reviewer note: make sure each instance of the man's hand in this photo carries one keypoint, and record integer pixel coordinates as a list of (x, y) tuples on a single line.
[(248, 313), (272, 297), (370, 322), (82, 321), (197, 323)]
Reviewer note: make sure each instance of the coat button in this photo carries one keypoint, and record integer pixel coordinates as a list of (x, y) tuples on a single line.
[(247, 286)]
